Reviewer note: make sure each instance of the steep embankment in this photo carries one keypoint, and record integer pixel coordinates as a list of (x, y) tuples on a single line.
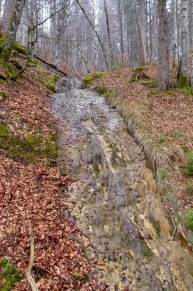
[(162, 124), (31, 202)]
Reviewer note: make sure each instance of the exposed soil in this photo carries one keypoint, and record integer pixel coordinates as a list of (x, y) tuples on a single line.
[(115, 200)]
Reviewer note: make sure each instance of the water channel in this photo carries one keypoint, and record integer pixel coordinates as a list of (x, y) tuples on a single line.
[(115, 199)]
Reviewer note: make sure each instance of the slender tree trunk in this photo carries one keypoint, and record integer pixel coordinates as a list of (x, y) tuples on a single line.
[(191, 30), (184, 41), (10, 36), (14, 23), (121, 18), (175, 47), (7, 12), (154, 37), (142, 24), (163, 46), (109, 34)]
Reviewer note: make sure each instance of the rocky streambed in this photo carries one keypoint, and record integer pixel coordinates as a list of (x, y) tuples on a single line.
[(115, 199)]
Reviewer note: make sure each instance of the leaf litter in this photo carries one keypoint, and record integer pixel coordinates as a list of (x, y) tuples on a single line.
[(32, 202)]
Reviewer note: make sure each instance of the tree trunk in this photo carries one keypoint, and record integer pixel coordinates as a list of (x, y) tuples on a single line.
[(191, 30), (184, 43), (7, 12), (121, 29), (109, 34), (163, 46), (142, 24), (10, 36), (154, 37)]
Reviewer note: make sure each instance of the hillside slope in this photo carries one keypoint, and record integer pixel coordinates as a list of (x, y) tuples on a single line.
[(32, 192)]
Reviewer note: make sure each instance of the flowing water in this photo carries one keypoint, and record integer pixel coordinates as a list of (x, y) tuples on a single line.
[(115, 199)]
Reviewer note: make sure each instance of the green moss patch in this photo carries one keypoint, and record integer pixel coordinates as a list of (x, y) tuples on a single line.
[(89, 78), (51, 83), (31, 149), (188, 218), (9, 275), (188, 169)]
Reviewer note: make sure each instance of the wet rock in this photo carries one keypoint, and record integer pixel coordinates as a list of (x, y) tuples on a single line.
[(64, 84)]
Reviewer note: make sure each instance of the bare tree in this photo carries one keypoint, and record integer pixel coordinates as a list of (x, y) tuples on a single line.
[(183, 76), (163, 46)]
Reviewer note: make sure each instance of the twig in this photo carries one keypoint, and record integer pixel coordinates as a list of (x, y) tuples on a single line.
[(30, 265), (175, 228)]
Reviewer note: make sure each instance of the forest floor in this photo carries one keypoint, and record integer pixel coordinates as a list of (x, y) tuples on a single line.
[(162, 123), (32, 191), (32, 200)]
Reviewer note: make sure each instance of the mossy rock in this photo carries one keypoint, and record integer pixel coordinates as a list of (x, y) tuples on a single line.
[(19, 48), (89, 78), (51, 83), (139, 73)]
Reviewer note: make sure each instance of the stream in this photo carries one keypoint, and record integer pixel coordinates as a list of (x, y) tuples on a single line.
[(115, 199)]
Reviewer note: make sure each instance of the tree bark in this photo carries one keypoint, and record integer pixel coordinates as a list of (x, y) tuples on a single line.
[(163, 46), (184, 39), (109, 34), (142, 25), (10, 37), (7, 12)]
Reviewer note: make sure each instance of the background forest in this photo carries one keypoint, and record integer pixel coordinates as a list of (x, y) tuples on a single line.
[(85, 36)]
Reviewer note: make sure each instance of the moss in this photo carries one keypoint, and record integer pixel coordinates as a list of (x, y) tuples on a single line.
[(105, 91), (188, 218), (89, 78), (31, 149), (183, 82), (20, 49), (139, 73), (3, 130), (150, 83), (33, 60), (51, 83), (188, 168), (9, 275)]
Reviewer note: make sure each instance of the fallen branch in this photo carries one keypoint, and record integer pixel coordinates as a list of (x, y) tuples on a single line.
[(30, 265)]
